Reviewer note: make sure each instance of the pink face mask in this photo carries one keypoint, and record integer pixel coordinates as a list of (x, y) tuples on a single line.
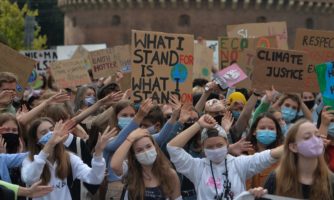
[(311, 148)]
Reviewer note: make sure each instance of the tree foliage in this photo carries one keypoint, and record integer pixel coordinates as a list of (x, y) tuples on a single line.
[(12, 26)]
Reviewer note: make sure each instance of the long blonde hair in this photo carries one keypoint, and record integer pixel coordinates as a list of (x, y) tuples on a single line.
[(287, 175)]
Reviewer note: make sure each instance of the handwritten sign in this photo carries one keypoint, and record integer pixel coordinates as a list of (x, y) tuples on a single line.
[(107, 62), (162, 65), (43, 58), (69, 73), (203, 61), (83, 53), (283, 69), (325, 74), (13, 61), (320, 48), (230, 75), (242, 52), (253, 30)]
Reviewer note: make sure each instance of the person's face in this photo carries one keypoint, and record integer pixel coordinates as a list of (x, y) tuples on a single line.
[(89, 92), (11, 127), (8, 86), (266, 123), (304, 132), (308, 96), (279, 118), (214, 143), (237, 106), (44, 128), (146, 124), (289, 103), (127, 112), (142, 145)]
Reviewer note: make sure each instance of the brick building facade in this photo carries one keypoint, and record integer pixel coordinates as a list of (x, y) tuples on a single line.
[(111, 21)]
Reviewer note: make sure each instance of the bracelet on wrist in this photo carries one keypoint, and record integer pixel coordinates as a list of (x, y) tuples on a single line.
[(256, 94)]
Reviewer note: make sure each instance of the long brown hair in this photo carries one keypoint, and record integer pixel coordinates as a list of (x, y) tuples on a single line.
[(5, 117), (162, 170), (60, 154), (287, 174)]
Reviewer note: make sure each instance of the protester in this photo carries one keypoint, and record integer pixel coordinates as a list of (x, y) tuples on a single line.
[(302, 172), (218, 175), (149, 175)]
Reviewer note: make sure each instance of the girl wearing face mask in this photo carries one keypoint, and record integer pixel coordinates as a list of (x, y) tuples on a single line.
[(290, 105), (124, 111), (218, 175), (148, 173), (265, 133), (85, 97), (49, 161), (302, 172)]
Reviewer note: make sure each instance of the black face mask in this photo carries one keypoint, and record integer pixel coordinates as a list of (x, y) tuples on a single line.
[(309, 104), (12, 142)]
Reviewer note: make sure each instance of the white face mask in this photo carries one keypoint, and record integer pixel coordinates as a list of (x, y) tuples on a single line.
[(148, 157), (216, 155)]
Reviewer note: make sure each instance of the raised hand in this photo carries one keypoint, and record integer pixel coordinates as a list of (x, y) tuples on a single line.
[(137, 134), (60, 132), (327, 116), (60, 97), (185, 113), (6, 97), (145, 107), (258, 192), (112, 98), (103, 140), (127, 94), (227, 121), (271, 95), (207, 121), (23, 110), (176, 106), (239, 147)]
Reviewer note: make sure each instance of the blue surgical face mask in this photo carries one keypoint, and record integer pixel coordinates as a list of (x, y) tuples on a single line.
[(235, 114), (124, 121), (90, 100), (288, 114), (152, 130), (266, 136), (331, 129), (45, 138)]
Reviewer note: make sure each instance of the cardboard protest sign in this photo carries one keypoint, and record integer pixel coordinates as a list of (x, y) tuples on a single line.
[(253, 30), (325, 74), (203, 61), (83, 53), (69, 73), (237, 50), (230, 76), (230, 49), (66, 52), (320, 48), (162, 65), (282, 69), (107, 62), (43, 58), (13, 61)]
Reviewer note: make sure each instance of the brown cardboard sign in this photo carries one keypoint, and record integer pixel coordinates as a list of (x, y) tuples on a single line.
[(69, 73), (283, 69), (236, 50), (253, 30), (107, 62), (319, 46), (203, 62), (83, 53), (162, 65), (20, 65)]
